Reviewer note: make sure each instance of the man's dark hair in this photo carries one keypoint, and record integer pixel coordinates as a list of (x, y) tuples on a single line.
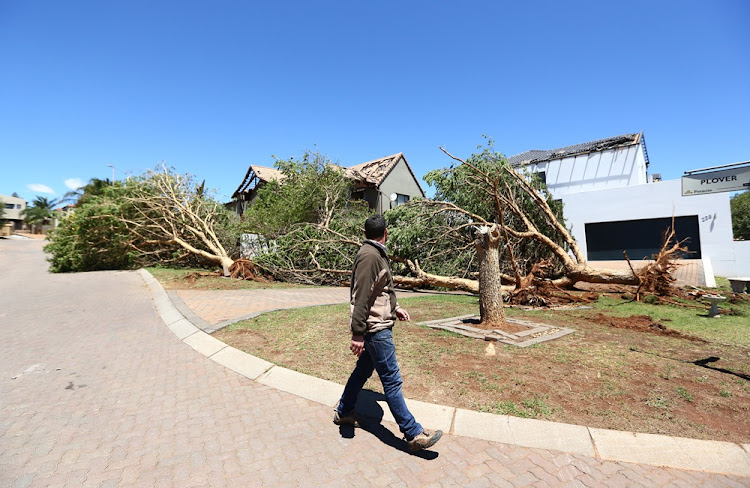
[(375, 227)]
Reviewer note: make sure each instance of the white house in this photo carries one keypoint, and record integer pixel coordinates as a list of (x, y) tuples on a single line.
[(13, 208), (611, 205)]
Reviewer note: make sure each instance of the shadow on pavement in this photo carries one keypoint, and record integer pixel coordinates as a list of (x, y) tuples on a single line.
[(370, 416)]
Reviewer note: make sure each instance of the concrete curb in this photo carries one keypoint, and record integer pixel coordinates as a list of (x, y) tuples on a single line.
[(610, 445)]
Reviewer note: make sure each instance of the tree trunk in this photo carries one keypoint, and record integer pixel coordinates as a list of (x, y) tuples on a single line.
[(490, 284), (582, 272)]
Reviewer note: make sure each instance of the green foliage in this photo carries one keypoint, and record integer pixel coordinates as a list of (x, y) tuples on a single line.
[(40, 211), (443, 242), (2, 210), (94, 188), (309, 219), (119, 225), (310, 246), (312, 191), (93, 237), (740, 205)]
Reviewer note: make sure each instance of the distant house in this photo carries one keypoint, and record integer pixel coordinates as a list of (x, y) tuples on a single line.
[(13, 208), (384, 183), (612, 204), (605, 163), (247, 192)]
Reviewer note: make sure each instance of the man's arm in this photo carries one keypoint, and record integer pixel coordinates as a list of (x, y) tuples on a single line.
[(364, 276)]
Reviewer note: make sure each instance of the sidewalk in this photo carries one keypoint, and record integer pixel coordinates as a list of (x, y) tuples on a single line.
[(599, 444)]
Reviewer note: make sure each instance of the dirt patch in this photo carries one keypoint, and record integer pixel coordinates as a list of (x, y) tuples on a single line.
[(629, 376), (642, 323)]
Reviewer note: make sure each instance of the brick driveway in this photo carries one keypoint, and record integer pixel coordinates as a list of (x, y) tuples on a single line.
[(96, 391)]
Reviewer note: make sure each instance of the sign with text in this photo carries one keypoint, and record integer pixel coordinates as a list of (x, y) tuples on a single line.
[(735, 179)]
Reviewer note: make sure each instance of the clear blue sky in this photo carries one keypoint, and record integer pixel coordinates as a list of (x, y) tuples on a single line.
[(211, 87)]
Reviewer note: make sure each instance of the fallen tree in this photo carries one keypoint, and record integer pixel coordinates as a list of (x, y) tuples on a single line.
[(170, 211)]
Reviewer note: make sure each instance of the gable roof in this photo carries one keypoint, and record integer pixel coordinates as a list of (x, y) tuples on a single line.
[(373, 173), (263, 173), (542, 155)]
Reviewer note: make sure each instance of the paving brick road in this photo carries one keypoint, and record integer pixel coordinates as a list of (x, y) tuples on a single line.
[(96, 391)]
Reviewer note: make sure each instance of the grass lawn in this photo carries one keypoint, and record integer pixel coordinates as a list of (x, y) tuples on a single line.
[(175, 279), (602, 376)]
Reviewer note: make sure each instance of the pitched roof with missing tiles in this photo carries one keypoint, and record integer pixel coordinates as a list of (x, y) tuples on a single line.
[(264, 174), (373, 173), (542, 155)]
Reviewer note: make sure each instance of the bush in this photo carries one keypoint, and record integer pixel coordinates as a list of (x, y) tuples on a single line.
[(92, 237), (740, 205)]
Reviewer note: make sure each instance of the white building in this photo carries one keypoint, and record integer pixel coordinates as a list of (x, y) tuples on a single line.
[(611, 205), (13, 208)]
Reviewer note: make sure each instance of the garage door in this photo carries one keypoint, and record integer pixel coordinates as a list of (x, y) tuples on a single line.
[(640, 238)]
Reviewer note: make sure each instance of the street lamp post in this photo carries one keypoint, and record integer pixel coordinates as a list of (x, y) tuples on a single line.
[(113, 171)]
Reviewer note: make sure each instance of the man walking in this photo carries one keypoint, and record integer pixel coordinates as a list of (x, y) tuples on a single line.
[(374, 311)]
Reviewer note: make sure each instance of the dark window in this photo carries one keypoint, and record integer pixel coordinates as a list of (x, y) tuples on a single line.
[(542, 176), (18, 205), (9, 206), (641, 239), (401, 198)]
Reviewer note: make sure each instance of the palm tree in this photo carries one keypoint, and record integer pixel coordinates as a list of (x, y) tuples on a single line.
[(39, 212), (94, 187)]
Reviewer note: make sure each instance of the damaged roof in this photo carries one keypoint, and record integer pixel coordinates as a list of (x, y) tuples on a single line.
[(542, 155), (263, 173), (370, 174), (373, 173)]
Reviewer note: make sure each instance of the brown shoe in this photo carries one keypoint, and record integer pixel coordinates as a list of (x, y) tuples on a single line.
[(348, 419), (427, 438)]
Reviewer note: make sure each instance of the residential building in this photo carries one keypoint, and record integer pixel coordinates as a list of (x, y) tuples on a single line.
[(14, 207), (611, 205), (384, 183)]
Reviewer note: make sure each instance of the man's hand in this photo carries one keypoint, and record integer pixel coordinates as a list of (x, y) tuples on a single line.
[(357, 345), (402, 314)]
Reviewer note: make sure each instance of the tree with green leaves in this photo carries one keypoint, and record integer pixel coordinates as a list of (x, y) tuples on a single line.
[(309, 219), (2, 210), (95, 187), (740, 205), (40, 212), (313, 191), (157, 217)]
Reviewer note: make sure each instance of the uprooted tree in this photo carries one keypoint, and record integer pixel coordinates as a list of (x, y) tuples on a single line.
[(513, 212), (489, 224), (158, 217), (170, 210)]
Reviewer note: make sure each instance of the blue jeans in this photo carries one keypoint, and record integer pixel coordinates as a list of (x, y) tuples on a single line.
[(380, 355)]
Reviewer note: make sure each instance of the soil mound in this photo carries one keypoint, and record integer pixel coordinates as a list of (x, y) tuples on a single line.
[(642, 323)]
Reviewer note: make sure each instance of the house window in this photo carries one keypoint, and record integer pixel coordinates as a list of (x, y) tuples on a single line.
[(401, 198), (9, 206), (18, 206), (542, 176)]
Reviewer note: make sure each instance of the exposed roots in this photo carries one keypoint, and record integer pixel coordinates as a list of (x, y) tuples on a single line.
[(244, 269), (655, 278)]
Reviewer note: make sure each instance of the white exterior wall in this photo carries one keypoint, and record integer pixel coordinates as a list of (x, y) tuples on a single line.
[(657, 200), (19, 205), (614, 168)]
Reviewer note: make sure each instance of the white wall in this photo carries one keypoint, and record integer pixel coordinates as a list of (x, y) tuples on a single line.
[(19, 205), (614, 168), (741, 260), (656, 200)]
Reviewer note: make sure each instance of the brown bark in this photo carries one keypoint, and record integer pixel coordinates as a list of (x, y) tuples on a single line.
[(491, 311)]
